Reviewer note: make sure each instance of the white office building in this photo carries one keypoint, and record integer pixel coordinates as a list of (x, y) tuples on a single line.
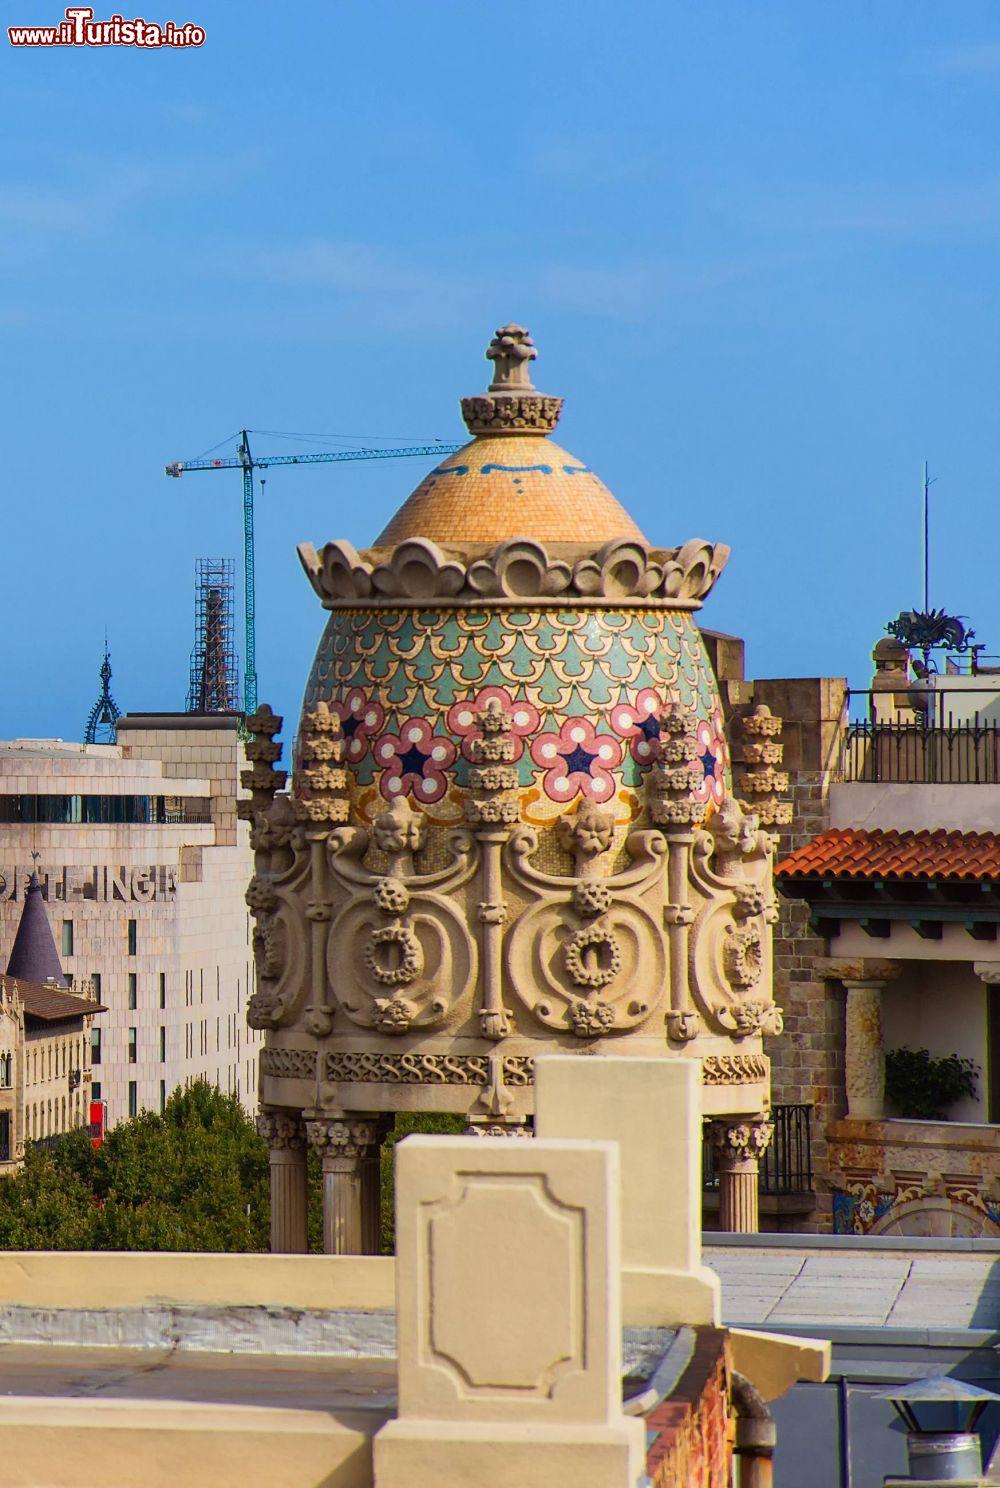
[(144, 866)]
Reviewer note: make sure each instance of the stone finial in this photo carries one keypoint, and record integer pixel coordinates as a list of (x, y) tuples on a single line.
[(320, 782), (675, 776), (263, 751), (758, 752), (510, 351), (511, 404)]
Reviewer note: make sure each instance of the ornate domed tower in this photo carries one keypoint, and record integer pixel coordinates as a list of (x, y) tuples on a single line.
[(512, 828)]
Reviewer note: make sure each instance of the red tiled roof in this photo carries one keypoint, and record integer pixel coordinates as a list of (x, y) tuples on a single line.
[(852, 853)]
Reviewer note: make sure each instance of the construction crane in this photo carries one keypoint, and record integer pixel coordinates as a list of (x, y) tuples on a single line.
[(248, 463)]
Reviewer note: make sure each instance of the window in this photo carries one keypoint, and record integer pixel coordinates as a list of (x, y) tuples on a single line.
[(133, 990), (133, 1098), (6, 1070), (132, 1042), (95, 1090), (132, 937), (67, 938), (95, 982), (163, 1044), (163, 989), (163, 1095), (95, 1046)]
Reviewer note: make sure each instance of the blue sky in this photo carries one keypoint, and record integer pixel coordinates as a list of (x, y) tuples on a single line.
[(757, 246)]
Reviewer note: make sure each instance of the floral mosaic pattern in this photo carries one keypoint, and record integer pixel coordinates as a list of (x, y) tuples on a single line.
[(713, 756), (361, 717), (640, 723), (577, 761), (414, 762), (586, 691)]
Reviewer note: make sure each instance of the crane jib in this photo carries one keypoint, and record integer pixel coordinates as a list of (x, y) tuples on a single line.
[(247, 463)]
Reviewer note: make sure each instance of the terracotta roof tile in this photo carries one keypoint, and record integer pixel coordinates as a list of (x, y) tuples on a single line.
[(52, 1003), (852, 853)]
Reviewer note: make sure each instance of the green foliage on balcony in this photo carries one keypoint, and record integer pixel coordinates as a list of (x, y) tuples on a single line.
[(923, 1088)]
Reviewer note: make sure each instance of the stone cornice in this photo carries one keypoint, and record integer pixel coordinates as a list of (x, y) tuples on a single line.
[(420, 572)]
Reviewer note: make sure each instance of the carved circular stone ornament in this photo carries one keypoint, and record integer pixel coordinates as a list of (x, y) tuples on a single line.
[(593, 957), (393, 956)]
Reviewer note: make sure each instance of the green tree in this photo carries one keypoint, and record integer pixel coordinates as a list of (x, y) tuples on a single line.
[(193, 1178)]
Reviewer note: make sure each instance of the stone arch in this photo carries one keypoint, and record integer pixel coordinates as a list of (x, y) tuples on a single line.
[(938, 1217)]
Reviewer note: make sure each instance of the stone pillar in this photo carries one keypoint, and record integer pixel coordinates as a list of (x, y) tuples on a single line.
[(664, 1282), (508, 1318), (283, 1132), (371, 1189), (738, 1147), (345, 1145), (864, 1050)]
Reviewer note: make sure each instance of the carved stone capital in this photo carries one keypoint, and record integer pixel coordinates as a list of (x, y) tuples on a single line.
[(281, 1131), (987, 971), (740, 1142), (339, 1137), (497, 1129)]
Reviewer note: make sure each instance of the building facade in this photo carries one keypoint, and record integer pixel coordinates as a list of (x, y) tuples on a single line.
[(889, 885), (143, 866)]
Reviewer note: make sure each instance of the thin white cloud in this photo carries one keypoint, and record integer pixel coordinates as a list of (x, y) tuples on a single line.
[(591, 160), (977, 59), (933, 209)]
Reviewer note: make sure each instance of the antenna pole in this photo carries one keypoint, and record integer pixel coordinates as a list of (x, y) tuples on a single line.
[(927, 534)]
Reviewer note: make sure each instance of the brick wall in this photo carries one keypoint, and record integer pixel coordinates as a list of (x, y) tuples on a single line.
[(807, 1061), (693, 1442)]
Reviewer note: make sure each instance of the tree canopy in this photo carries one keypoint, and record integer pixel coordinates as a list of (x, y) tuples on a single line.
[(193, 1178)]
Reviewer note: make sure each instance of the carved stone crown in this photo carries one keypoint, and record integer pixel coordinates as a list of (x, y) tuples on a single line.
[(512, 404), (417, 571)]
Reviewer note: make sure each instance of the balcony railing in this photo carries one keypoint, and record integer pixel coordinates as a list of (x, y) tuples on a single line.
[(786, 1167), (909, 753)]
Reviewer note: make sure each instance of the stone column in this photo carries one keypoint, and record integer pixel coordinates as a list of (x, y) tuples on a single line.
[(345, 1144), (284, 1134), (864, 1050), (738, 1147), (371, 1189)]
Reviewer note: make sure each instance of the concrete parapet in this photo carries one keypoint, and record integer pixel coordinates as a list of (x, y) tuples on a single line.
[(652, 1109), (509, 1329)]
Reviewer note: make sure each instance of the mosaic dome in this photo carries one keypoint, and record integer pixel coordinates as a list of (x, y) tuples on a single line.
[(513, 584), (498, 486)]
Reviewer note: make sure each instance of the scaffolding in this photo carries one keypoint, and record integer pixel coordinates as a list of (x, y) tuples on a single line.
[(214, 679)]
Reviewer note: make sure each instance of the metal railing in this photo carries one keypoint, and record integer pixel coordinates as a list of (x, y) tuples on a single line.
[(786, 1167), (910, 753)]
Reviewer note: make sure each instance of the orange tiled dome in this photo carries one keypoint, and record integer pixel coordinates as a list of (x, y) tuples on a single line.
[(512, 480), (502, 486)]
